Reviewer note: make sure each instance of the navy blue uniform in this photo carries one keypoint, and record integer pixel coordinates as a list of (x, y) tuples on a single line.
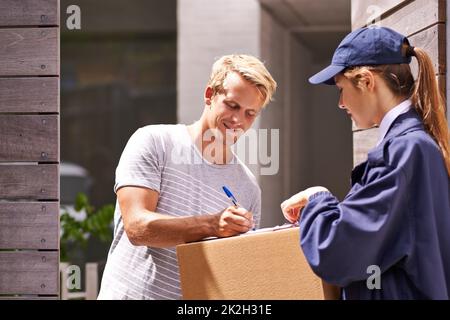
[(396, 216)]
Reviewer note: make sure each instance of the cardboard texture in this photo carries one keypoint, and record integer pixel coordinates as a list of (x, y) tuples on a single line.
[(268, 265)]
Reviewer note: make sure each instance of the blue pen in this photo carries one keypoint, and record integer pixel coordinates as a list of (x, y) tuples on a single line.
[(230, 195), (233, 199)]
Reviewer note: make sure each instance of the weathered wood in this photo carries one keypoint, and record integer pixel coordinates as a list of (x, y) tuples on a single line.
[(29, 47), (363, 142), (446, 77), (29, 94), (32, 225), (29, 12), (424, 22), (29, 51), (24, 272), (29, 138), (365, 10), (29, 182), (442, 82), (415, 16), (433, 41)]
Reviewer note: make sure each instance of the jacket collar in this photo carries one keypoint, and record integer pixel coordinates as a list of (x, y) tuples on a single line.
[(406, 122)]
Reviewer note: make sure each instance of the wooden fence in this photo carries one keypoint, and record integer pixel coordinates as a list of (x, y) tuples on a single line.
[(423, 22), (29, 149)]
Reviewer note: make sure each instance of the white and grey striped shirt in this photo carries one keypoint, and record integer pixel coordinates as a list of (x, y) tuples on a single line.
[(163, 158)]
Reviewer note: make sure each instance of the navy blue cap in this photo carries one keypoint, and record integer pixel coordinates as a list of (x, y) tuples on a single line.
[(363, 47)]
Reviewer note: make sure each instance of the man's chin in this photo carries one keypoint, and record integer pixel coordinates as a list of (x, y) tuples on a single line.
[(232, 138), (229, 140)]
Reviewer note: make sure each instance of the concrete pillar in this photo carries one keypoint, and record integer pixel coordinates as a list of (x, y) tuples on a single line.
[(207, 30)]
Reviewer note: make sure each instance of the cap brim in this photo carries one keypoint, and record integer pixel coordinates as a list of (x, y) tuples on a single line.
[(326, 76)]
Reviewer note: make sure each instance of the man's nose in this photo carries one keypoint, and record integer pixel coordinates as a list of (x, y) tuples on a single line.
[(235, 118)]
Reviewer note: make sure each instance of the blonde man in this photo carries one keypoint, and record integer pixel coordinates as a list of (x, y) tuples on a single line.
[(169, 184)]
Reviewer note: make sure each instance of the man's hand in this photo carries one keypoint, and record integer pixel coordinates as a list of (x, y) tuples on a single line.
[(233, 221), (145, 227), (291, 207)]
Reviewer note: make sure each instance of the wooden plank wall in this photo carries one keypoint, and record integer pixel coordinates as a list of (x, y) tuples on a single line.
[(423, 22), (29, 149)]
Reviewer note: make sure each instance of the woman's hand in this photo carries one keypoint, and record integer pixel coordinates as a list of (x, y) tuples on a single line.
[(291, 207)]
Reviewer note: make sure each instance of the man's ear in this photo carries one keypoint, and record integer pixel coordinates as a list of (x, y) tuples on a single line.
[(209, 92)]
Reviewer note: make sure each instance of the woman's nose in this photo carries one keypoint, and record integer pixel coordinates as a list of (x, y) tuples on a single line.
[(341, 103)]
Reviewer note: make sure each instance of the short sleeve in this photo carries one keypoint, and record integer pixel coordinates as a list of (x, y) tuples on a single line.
[(256, 207), (140, 162)]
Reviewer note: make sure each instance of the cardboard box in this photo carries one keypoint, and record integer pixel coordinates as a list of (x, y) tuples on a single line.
[(268, 265)]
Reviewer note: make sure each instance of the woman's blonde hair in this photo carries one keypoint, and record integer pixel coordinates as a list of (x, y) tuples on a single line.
[(426, 97), (250, 68)]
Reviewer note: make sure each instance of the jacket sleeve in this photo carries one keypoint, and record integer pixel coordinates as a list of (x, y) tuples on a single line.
[(369, 227)]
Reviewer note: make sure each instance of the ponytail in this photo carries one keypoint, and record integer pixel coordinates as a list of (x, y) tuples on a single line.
[(430, 104)]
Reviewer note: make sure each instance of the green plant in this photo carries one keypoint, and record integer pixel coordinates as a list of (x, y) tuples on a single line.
[(97, 223)]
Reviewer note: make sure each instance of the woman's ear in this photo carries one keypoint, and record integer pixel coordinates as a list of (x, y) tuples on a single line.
[(367, 80), (209, 93)]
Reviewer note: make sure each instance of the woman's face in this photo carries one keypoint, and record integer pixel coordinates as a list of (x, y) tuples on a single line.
[(357, 102)]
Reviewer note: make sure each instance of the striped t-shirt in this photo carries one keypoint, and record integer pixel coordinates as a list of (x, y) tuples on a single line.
[(164, 158)]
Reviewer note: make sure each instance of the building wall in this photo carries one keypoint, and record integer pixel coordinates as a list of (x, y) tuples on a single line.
[(330, 136), (207, 30), (315, 136), (275, 40)]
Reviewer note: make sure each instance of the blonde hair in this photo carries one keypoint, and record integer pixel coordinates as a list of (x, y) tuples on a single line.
[(426, 97), (250, 68)]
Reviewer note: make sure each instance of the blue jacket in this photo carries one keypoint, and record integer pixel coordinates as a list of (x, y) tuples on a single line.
[(396, 216)]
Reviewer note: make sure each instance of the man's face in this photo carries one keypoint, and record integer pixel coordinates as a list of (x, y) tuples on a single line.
[(234, 109)]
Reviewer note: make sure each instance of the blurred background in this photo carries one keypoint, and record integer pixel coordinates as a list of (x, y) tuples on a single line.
[(141, 62)]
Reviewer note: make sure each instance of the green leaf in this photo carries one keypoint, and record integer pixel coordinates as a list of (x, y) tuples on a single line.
[(97, 224), (81, 201)]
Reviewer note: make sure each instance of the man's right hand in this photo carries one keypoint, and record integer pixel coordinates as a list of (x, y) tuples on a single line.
[(145, 227), (233, 221)]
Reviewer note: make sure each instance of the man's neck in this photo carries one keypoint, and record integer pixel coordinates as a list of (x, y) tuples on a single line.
[(212, 150)]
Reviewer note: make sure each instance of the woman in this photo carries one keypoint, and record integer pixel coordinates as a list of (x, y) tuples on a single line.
[(390, 236)]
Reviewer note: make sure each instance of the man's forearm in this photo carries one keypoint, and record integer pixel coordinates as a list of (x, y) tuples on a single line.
[(158, 230)]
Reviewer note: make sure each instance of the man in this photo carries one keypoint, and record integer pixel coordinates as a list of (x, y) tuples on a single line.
[(169, 184)]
